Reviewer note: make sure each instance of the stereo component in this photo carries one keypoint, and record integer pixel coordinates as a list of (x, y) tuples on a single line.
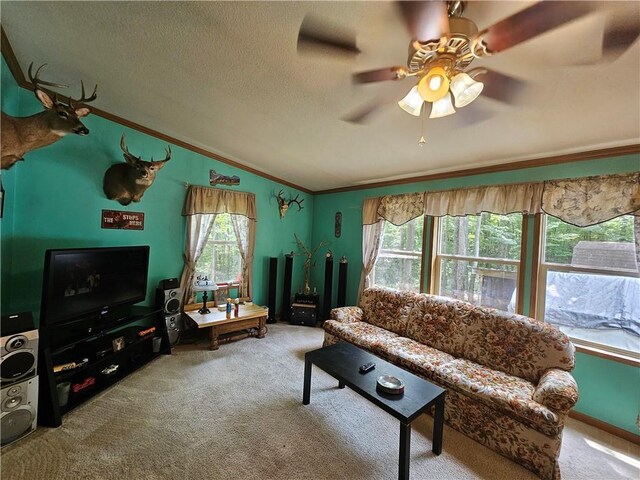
[(328, 285), (342, 282), (271, 295), (174, 327), (285, 313), (19, 410)]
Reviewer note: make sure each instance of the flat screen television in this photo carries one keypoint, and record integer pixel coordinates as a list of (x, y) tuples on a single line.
[(82, 282)]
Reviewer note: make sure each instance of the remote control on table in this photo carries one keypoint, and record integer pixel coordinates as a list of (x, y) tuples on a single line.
[(367, 367)]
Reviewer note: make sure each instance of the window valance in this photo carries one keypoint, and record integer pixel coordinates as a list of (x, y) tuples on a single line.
[(206, 200), (579, 201)]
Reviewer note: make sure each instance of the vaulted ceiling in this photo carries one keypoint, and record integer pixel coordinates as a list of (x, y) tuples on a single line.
[(227, 77)]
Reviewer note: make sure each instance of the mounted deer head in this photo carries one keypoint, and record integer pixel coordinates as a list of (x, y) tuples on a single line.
[(23, 134), (127, 182), (283, 204)]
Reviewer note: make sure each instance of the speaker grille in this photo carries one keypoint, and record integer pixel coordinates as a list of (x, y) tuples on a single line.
[(173, 305), (16, 365), (15, 424)]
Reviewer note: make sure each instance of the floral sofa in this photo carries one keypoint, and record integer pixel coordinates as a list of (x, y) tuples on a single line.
[(507, 376)]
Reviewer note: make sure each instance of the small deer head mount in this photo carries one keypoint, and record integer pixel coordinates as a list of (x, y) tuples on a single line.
[(21, 135), (127, 182), (284, 204)]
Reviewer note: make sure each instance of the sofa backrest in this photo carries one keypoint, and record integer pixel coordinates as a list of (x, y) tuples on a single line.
[(387, 308), (440, 322), (516, 344)]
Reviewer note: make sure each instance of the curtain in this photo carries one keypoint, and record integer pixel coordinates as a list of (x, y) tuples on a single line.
[(400, 209), (371, 242), (198, 231), (588, 201), (201, 206), (245, 231), (499, 199)]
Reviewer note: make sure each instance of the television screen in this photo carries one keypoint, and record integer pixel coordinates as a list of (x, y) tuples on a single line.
[(80, 282)]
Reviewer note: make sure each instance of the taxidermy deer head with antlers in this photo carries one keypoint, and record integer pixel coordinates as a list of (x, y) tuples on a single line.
[(20, 135), (127, 182), (284, 204)]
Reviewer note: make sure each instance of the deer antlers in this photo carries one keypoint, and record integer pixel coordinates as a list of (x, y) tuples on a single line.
[(35, 80), (129, 157), (284, 204)]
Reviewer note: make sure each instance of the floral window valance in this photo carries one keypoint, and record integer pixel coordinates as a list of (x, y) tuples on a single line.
[(580, 201)]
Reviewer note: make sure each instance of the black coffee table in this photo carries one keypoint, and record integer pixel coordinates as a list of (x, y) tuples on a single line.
[(342, 360)]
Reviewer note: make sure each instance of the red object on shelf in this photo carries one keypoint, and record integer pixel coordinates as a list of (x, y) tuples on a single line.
[(76, 387)]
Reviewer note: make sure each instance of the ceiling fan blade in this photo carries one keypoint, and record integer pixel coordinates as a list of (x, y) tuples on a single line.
[(380, 75), (619, 35), (533, 21), (426, 20), (362, 114), (498, 86), (318, 37)]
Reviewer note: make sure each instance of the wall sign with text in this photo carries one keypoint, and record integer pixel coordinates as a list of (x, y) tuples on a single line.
[(122, 220)]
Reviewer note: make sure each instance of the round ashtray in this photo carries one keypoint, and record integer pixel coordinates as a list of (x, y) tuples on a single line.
[(390, 384)]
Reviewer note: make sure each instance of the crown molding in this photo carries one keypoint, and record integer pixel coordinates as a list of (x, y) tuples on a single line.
[(18, 75)]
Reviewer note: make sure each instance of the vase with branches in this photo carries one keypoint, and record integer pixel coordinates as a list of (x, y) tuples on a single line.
[(308, 263)]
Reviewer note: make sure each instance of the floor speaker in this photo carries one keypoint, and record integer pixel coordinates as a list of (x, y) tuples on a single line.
[(342, 282), (174, 327), (328, 285), (18, 410), (169, 299), (18, 348), (271, 296), (285, 315)]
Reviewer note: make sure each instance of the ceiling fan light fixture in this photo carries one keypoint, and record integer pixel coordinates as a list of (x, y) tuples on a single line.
[(442, 107), (434, 85), (465, 89), (412, 102)]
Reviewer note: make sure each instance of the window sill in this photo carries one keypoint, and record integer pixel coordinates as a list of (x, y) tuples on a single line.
[(616, 357)]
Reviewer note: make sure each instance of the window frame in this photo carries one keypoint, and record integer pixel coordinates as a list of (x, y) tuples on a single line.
[(422, 256), (436, 260), (540, 282), (211, 242)]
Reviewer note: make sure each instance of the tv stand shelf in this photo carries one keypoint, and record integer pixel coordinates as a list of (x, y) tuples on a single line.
[(106, 350)]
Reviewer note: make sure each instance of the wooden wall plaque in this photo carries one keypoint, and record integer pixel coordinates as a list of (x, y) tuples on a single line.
[(122, 220)]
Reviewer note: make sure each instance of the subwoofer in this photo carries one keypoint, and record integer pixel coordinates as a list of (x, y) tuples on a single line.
[(18, 348), (19, 410), (169, 296)]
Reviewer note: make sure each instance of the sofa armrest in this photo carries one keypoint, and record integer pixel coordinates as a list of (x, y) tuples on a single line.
[(556, 390), (347, 314)]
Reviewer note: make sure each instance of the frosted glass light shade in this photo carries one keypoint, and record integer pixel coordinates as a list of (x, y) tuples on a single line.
[(412, 102), (442, 107), (465, 89), (434, 85)]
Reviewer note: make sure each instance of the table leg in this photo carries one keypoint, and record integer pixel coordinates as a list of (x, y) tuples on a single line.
[(438, 423), (213, 335), (262, 330), (405, 451), (306, 393), (340, 384)]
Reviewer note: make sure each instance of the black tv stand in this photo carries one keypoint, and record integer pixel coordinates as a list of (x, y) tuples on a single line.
[(93, 353)]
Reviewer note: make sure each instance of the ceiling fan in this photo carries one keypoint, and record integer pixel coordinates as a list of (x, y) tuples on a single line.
[(444, 44)]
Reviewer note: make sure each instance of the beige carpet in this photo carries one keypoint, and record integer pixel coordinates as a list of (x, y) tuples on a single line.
[(237, 413)]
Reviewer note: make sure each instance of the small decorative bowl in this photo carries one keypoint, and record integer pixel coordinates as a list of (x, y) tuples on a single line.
[(390, 384)]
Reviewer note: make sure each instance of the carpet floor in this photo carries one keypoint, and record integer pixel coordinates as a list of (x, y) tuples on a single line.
[(237, 413)]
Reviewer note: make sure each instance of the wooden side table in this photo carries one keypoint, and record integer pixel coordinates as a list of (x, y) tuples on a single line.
[(220, 327)]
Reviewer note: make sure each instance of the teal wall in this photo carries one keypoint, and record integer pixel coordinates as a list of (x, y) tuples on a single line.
[(57, 198), (609, 391)]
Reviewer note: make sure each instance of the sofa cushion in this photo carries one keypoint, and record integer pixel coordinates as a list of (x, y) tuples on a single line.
[(509, 393), (414, 356), (361, 334), (387, 308), (440, 323), (515, 344)]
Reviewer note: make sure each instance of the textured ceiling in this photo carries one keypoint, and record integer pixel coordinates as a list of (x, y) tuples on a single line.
[(226, 76)]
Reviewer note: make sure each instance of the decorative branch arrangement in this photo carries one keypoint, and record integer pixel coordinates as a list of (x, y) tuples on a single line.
[(307, 263)]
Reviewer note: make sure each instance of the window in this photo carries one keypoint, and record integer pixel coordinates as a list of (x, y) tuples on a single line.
[(478, 259), (589, 285), (220, 260), (399, 264)]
